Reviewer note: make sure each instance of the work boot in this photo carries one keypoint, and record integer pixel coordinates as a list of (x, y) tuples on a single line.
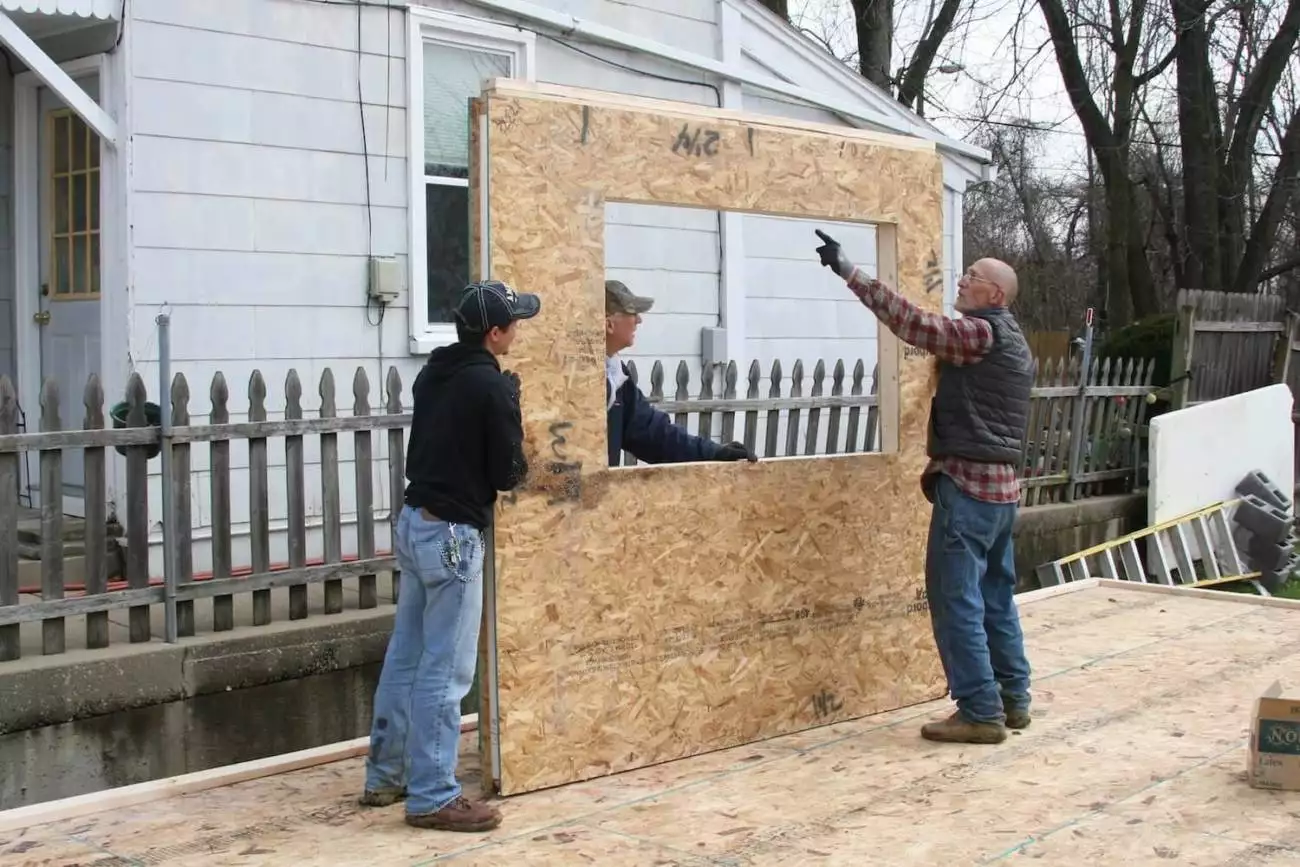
[(381, 797), (958, 729), (461, 814), (1017, 717)]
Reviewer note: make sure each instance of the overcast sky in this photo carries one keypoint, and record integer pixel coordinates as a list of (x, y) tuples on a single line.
[(988, 44)]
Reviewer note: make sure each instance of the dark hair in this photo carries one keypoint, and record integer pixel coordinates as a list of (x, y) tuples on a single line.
[(465, 335)]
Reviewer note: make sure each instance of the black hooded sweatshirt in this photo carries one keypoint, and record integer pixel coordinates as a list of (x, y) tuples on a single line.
[(466, 436)]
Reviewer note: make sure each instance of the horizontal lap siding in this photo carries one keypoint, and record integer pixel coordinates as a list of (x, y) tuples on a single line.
[(250, 213), (251, 225), (796, 309)]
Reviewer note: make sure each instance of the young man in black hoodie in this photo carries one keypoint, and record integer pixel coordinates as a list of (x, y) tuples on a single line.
[(466, 444)]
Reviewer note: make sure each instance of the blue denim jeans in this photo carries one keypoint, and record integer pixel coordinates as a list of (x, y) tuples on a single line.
[(970, 581), (429, 666)]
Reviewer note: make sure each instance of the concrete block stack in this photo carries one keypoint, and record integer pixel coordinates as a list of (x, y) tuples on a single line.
[(1265, 533)]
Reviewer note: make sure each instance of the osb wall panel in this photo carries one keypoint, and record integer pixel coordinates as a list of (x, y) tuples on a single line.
[(652, 613)]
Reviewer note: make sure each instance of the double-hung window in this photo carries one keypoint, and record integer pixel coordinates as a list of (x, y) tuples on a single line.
[(449, 59)]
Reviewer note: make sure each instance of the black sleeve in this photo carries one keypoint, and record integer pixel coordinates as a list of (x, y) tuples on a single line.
[(506, 463)]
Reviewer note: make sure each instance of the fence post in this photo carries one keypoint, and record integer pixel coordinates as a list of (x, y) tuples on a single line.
[(1180, 366), (1080, 406), (1282, 351), (163, 321)]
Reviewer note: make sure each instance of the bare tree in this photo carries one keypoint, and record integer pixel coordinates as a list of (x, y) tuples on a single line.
[(1036, 223), (1219, 143), (872, 49), (1110, 134)]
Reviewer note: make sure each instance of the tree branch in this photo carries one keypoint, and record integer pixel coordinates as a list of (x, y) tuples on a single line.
[(913, 79), (1257, 90), (1154, 72), (1279, 270), (1286, 183), (1095, 127)]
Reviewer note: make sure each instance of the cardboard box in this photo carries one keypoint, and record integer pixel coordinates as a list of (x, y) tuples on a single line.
[(1274, 759)]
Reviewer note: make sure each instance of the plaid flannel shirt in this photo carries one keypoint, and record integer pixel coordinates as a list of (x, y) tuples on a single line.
[(954, 341)]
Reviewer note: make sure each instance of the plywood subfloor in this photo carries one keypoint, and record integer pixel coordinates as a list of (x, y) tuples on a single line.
[(1136, 757)]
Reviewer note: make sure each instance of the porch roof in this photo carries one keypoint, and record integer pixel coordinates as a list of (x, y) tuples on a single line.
[(104, 9)]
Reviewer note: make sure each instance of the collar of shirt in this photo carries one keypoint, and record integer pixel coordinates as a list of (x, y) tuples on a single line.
[(615, 376)]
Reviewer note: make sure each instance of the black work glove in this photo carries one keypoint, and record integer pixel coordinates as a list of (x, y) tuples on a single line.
[(832, 255), (735, 451), (515, 385)]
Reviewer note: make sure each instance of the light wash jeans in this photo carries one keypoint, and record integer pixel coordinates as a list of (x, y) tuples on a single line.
[(970, 581), (429, 666)]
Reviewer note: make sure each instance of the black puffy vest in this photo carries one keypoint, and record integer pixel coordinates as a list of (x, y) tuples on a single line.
[(981, 411)]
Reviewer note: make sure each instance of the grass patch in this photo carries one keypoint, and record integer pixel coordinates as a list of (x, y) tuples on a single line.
[(1289, 590)]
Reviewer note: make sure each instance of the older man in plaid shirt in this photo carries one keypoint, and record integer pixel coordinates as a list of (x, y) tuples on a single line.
[(978, 418)]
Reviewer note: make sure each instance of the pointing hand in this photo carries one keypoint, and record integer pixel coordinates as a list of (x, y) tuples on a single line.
[(832, 255)]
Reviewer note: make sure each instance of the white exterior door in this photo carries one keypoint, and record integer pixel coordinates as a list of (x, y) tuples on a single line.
[(68, 312)]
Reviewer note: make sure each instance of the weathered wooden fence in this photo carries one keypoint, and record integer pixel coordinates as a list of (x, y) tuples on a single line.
[(791, 421), (133, 436), (1084, 429), (833, 417), (1225, 343), (1107, 407)]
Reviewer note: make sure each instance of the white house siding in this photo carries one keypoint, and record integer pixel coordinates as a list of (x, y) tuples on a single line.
[(672, 255), (8, 361), (249, 186), (797, 310), (250, 216)]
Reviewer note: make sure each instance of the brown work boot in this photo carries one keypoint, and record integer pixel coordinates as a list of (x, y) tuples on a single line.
[(381, 797), (461, 814), (958, 729), (1018, 717)]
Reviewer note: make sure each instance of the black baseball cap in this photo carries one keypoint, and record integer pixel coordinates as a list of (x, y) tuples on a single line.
[(492, 304)]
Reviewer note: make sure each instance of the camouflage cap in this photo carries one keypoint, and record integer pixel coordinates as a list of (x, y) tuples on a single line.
[(619, 299)]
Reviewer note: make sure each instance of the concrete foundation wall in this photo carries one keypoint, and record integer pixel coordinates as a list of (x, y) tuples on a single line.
[(1045, 533)]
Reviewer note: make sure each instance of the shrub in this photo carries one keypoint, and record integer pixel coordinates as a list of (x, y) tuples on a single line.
[(1152, 337)]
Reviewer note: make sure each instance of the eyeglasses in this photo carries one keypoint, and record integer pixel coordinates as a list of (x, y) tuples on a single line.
[(971, 275)]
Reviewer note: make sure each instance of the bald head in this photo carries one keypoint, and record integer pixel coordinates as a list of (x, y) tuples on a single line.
[(987, 283)]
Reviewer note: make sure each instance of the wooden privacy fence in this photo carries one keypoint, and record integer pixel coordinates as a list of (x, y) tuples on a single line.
[(1225, 343), (175, 438), (1107, 408)]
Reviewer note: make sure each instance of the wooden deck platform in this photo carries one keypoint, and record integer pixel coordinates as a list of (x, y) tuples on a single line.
[(1136, 756)]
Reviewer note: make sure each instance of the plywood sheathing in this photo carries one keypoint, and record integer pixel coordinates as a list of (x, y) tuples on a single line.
[(652, 613), (1135, 757)]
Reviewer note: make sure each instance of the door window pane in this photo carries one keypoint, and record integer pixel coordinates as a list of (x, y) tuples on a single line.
[(74, 207), (451, 77), (447, 234)]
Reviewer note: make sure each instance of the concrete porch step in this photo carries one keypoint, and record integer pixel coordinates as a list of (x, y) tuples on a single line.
[(29, 528), (74, 549)]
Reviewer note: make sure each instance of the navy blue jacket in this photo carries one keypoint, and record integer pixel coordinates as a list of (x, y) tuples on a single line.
[(650, 435)]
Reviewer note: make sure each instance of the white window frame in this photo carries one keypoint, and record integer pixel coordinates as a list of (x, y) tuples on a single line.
[(427, 25)]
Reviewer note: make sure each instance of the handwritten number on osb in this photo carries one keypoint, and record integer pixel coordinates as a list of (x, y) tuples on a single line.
[(570, 471), (933, 274), (557, 438), (826, 703), (697, 142)]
